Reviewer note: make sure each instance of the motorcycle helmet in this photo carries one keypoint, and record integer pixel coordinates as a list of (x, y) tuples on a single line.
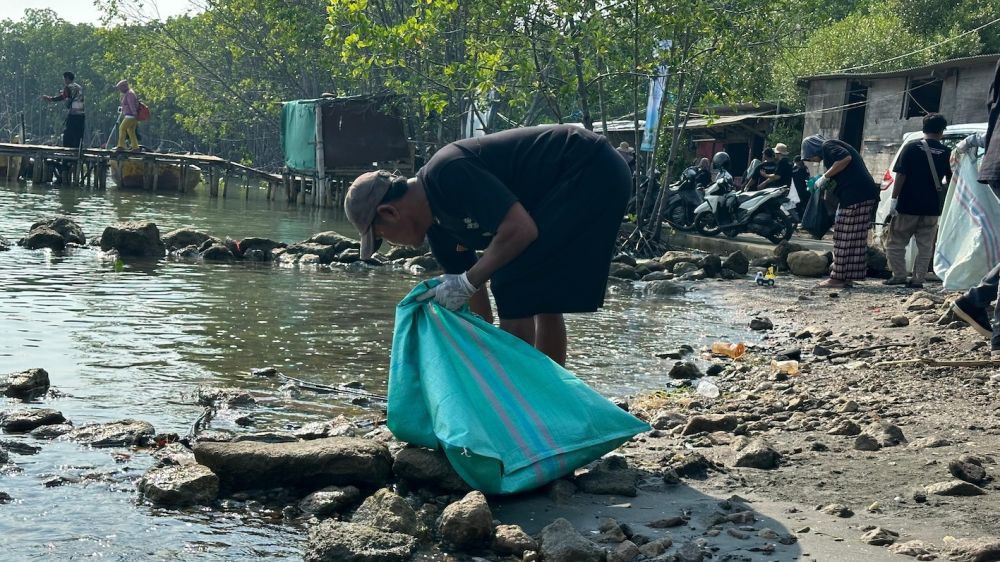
[(690, 173), (720, 161)]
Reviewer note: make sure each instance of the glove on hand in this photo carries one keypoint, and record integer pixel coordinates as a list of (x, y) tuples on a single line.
[(892, 207), (821, 182), (453, 291)]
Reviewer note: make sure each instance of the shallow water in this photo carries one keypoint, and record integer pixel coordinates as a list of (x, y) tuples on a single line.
[(138, 343)]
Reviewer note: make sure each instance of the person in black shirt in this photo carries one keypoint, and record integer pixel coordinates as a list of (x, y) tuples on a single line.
[(857, 194), (543, 203), (916, 201), (782, 175)]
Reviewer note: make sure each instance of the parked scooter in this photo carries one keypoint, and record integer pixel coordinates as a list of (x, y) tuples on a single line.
[(758, 212), (683, 198)]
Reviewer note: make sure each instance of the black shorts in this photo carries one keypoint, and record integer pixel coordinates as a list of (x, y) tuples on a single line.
[(565, 269)]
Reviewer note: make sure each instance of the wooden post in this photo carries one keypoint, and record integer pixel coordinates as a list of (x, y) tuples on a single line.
[(38, 176), (156, 175), (301, 195), (213, 187), (184, 179), (320, 182)]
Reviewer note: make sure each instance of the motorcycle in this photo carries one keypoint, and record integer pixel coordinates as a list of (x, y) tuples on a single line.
[(759, 212), (683, 198)]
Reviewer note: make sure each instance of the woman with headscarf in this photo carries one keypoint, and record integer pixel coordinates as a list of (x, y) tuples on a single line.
[(857, 195)]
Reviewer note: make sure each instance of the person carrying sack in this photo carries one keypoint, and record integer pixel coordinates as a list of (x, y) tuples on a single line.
[(916, 201)]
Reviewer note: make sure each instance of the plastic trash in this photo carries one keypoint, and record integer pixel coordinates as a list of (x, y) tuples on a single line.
[(732, 350), (790, 367), (707, 388)]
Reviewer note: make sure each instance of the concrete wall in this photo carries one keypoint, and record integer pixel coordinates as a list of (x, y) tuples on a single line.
[(963, 100)]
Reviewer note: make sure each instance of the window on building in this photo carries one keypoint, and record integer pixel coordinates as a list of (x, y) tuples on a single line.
[(923, 96)]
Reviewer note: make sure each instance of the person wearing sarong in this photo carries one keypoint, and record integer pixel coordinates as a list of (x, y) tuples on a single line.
[(857, 196)]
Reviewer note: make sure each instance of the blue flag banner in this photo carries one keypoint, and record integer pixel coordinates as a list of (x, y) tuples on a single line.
[(656, 85)]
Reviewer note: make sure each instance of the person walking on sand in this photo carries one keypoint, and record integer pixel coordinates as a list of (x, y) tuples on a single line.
[(857, 194), (129, 107), (916, 201), (539, 201)]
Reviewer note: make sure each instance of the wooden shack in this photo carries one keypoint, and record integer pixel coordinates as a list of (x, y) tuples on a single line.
[(872, 111)]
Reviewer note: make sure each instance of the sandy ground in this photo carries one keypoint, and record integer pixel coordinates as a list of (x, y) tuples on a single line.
[(942, 412)]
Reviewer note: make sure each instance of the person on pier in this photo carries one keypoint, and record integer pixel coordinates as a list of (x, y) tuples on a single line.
[(130, 117)]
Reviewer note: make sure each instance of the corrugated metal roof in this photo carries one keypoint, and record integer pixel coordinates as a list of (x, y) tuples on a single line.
[(951, 63)]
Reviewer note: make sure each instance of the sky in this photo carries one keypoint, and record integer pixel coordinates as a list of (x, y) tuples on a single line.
[(80, 11)]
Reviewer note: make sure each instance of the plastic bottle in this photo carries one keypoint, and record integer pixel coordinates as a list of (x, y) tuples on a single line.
[(707, 388), (790, 367), (733, 350)]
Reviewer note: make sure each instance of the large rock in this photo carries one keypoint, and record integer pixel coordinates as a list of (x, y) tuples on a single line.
[(664, 288), (737, 262), (25, 385), (124, 433), (330, 500), (139, 239), (250, 246), (808, 263), (671, 258), (562, 543), (783, 250), (622, 271), (23, 421), (424, 467), (885, 434), (178, 486), (326, 252), (404, 252), (954, 488), (183, 237), (712, 264), (66, 227), (218, 252), (468, 523), (968, 469), (611, 477), (338, 241), (512, 539), (423, 264), (43, 237), (755, 454), (4, 244), (387, 511), (684, 267), (984, 549), (311, 464), (709, 423), (338, 541)]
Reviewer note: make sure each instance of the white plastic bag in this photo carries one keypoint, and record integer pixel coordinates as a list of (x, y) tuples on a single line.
[(968, 243)]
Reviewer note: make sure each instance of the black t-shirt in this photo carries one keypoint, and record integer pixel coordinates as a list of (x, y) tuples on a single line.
[(784, 171), (471, 184), (854, 183), (919, 195)]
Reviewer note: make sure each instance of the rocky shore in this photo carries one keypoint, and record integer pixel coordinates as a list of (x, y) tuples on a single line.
[(879, 445)]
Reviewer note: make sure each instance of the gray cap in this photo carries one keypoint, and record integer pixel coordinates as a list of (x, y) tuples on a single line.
[(363, 198)]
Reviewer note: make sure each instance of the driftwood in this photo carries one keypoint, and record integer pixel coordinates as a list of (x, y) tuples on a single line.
[(869, 348), (928, 362)]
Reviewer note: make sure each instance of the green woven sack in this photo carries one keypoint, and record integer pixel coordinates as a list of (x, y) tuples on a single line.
[(508, 418)]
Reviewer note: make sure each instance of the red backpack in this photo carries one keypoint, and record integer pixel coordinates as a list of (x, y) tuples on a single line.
[(143, 113)]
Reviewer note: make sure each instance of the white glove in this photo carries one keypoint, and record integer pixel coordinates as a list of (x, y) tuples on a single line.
[(892, 207), (453, 291), (962, 147), (822, 181)]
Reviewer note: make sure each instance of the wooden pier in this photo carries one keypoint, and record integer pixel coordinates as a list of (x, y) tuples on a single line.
[(90, 167)]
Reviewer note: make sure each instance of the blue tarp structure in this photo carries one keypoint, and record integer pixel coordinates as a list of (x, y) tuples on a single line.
[(508, 418)]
